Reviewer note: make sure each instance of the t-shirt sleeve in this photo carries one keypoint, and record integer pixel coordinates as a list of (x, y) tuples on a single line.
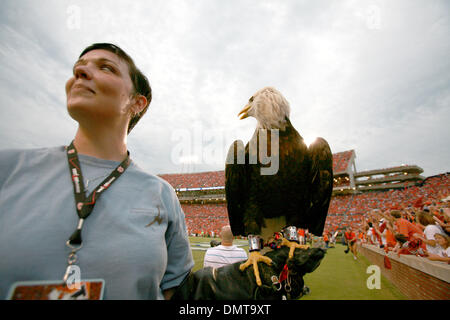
[(446, 252), (179, 255), (205, 259), (430, 231)]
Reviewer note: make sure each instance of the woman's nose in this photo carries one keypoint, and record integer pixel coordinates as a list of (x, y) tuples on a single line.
[(82, 71)]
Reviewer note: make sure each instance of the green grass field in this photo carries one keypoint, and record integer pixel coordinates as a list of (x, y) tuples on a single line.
[(339, 277)]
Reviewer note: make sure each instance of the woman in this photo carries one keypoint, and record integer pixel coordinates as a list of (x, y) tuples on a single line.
[(444, 248), (89, 205), (429, 232)]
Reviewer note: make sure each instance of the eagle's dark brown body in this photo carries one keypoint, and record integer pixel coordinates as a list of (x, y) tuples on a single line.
[(300, 190)]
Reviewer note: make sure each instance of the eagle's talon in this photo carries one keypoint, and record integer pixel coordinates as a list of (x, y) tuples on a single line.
[(293, 245), (254, 258)]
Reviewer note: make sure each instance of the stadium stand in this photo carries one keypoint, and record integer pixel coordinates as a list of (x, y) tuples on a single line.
[(342, 161), (206, 219), (349, 209), (355, 193), (195, 180)]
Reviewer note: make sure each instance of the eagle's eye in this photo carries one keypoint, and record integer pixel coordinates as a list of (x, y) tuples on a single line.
[(251, 99)]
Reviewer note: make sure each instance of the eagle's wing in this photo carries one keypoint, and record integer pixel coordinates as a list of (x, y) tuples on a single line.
[(321, 184), (236, 186)]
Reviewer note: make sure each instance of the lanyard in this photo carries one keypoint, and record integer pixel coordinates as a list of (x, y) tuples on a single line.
[(85, 204)]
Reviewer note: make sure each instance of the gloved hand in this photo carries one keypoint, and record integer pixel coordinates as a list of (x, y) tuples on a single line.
[(229, 283)]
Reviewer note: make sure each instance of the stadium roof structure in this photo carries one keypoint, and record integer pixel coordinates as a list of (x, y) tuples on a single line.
[(412, 169), (388, 178)]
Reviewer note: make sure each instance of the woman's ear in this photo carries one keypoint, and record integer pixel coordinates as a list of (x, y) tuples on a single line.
[(138, 104)]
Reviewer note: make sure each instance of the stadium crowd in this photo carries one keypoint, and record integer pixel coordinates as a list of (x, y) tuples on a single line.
[(195, 180), (413, 220), (422, 232), (392, 219), (205, 219)]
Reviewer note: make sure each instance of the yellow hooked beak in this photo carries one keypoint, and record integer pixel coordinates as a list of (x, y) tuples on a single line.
[(244, 113)]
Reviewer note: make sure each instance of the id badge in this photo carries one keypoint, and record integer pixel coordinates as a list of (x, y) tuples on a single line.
[(91, 289)]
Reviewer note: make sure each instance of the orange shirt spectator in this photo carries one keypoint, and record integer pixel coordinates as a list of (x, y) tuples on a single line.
[(301, 232), (325, 237), (390, 239), (407, 228), (350, 236)]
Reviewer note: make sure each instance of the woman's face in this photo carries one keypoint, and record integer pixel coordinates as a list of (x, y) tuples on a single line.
[(100, 90), (440, 240)]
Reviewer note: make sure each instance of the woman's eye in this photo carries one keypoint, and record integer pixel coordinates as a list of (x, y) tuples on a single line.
[(107, 67)]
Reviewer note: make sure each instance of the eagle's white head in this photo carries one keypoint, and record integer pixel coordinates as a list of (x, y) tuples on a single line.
[(269, 108)]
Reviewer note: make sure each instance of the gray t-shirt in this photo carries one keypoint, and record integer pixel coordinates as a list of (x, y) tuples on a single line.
[(136, 258)]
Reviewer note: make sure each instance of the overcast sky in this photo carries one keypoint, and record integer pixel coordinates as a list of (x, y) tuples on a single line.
[(373, 76)]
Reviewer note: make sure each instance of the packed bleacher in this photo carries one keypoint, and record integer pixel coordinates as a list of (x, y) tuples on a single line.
[(344, 211), (362, 212), (195, 180), (341, 161), (359, 211), (350, 209), (211, 179), (205, 219)]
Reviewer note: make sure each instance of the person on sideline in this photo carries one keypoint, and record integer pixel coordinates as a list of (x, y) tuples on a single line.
[(350, 238), (87, 204), (326, 239), (333, 238), (225, 253)]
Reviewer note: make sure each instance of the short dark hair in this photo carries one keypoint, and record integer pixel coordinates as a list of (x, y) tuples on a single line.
[(140, 82), (401, 238), (396, 214)]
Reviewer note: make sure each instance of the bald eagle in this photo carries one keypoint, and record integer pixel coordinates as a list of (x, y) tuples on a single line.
[(296, 186)]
